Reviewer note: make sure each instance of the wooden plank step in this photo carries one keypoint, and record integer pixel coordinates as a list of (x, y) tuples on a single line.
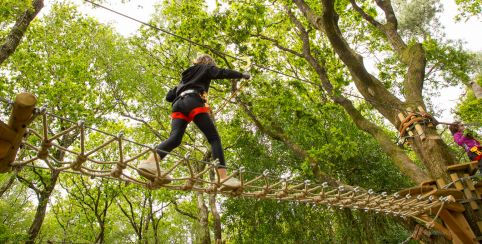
[(418, 190), (464, 167), (446, 192), (429, 183), (454, 207)]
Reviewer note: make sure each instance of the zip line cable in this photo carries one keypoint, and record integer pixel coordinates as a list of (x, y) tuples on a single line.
[(242, 60), (228, 55), (189, 40), (337, 193)]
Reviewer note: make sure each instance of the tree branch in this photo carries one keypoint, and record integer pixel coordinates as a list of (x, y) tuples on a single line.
[(367, 17), (276, 43), (371, 88), (405, 164), (15, 36), (176, 207), (29, 185)]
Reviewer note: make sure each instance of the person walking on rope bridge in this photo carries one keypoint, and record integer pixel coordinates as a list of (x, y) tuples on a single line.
[(189, 103), (466, 139)]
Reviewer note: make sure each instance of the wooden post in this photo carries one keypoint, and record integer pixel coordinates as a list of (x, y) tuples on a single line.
[(12, 133), (457, 224), (418, 128)]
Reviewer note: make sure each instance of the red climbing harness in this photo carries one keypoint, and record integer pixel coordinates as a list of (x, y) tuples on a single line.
[(192, 114)]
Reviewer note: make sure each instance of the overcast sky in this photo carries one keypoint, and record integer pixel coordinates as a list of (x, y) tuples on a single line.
[(470, 32)]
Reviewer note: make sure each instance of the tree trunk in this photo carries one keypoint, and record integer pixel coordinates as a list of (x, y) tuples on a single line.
[(217, 219), (15, 36), (204, 233), (42, 207), (477, 89), (432, 152), (218, 231), (100, 236), (152, 218)]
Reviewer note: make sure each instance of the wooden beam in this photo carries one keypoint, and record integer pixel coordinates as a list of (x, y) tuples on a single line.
[(441, 183), (437, 226), (464, 167), (458, 226), (458, 195), (4, 148), (22, 111), (417, 190), (6, 133)]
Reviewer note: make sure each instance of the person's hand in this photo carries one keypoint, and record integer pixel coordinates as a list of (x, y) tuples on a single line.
[(246, 76)]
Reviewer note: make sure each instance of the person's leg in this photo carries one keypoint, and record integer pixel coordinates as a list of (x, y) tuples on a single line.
[(178, 127), (206, 125), (148, 168)]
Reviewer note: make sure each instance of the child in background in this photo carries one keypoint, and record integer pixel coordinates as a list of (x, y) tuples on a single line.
[(465, 138)]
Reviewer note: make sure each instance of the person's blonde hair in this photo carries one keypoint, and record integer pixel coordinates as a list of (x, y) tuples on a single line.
[(204, 59)]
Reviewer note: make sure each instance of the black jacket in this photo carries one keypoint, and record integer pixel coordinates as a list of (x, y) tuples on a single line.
[(199, 76)]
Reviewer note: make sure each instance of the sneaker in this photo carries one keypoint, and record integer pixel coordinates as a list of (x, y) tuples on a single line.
[(148, 169), (232, 183)]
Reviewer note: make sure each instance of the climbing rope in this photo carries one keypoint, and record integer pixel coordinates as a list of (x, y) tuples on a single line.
[(233, 94), (96, 153), (83, 158)]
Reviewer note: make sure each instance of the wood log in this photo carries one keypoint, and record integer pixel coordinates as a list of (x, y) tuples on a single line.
[(6, 133), (22, 111), (4, 148)]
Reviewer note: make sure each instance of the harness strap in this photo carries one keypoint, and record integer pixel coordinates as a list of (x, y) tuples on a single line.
[(479, 157), (476, 150), (179, 115), (184, 93), (192, 114), (198, 110)]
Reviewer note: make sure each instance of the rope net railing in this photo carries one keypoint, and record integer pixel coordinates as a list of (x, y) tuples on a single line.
[(95, 153)]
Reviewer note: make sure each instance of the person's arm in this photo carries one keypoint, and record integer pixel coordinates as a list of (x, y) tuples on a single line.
[(220, 73), (459, 138)]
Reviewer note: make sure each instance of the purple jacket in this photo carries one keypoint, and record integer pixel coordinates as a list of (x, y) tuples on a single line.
[(465, 142)]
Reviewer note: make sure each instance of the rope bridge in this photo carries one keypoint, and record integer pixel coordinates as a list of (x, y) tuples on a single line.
[(95, 153)]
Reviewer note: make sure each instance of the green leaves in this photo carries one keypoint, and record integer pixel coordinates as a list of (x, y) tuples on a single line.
[(468, 8), (9, 9), (84, 70)]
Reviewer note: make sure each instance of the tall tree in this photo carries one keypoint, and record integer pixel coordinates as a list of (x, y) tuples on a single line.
[(432, 152), (63, 49)]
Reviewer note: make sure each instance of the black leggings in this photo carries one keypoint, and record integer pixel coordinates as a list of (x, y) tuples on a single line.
[(205, 124)]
